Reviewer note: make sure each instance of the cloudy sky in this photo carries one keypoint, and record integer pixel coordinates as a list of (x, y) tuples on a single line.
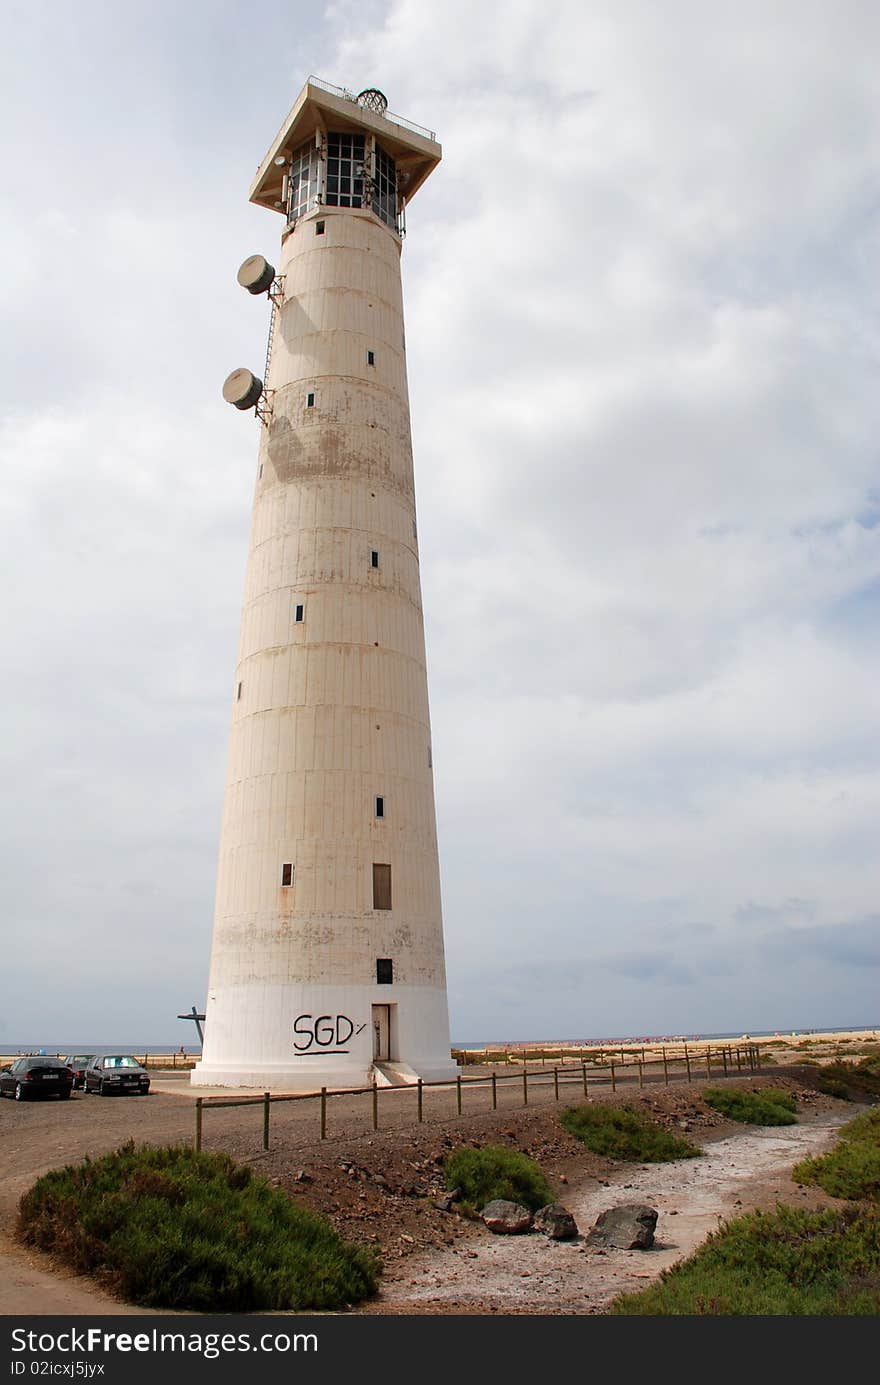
[(641, 295)]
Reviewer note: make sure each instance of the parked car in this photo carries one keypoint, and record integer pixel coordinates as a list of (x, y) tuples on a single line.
[(78, 1062), (115, 1072), (41, 1076)]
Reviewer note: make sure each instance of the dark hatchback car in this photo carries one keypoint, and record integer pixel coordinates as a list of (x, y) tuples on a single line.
[(31, 1077), (116, 1072), (78, 1062)]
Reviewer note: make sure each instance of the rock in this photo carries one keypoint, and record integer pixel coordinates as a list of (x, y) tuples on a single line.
[(628, 1227), (447, 1201), (506, 1218), (562, 1178), (556, 1222), (303, 1177)]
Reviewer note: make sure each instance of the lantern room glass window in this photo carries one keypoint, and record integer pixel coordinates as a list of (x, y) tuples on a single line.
[(303, 180), (345, 170), (385, 188)]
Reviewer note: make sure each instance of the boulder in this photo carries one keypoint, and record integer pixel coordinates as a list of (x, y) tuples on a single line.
[(628, 1227), (506, 1218), (556, 1222)]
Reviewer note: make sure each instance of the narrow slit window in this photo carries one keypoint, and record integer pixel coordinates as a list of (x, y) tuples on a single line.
[(380, 807), (371, 358), (374, 558), (299, 613), (238, 693), (381, 887), (319, 228), (261, 468), (430, 760), (384, 971), (286, 875), (310, 400)]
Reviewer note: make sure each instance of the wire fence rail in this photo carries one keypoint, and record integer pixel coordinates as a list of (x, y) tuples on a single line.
[(718, 1063)]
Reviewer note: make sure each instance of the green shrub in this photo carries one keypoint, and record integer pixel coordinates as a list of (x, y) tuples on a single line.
[(169, 1228), (496, 1172), (768, 1106), (852, 1168), (832, 1086), (790, 1262), (623, 1132), (862, 1078)]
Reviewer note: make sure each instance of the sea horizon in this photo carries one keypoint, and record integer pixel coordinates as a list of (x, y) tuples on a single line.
[(194, 1050)]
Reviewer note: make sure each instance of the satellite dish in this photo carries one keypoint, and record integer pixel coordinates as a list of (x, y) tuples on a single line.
[(256, 274), (242, 389)]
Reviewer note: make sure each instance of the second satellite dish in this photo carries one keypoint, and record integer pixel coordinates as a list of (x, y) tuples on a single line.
[(256, 274), (242, 388)]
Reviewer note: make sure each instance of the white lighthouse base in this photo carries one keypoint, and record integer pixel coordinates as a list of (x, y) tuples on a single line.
[(298, 1038)]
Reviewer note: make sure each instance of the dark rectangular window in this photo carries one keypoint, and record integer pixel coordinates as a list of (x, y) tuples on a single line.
[(380, 807), (374, 558), (371, 358), (384, 971), (381, 887), (319, 228), (238, 694), (286, 874), (300, 613), (310, 401)]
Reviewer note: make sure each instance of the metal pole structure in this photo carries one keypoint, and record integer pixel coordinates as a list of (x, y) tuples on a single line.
[(198, 1124), (266, 1100), (323, 1113)]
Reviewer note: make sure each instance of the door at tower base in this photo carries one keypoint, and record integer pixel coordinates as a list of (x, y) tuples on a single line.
[(306, 1037)]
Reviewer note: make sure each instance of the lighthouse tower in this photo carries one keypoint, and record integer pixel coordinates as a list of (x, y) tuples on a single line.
[(327, 964)]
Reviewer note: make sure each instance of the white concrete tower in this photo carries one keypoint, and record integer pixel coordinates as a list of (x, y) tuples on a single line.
[(327, 954)]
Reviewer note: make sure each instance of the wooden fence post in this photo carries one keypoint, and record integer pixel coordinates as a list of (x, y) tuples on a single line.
[(266, 1100), (613, 1083), (323, 1113), (494, 1093), (420, 1099), (198, 1124), (708, 1063), (375, 1106), (724, 1060), (687, 1059), (739, 1059), (641, 1073), (665, 1069), (584, 1075), (525, 1086), (458, 1092), (556, 1082)]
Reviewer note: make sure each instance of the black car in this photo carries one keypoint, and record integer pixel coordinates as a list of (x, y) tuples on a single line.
[(39, 1076), (115, 1072), (78, 1062)]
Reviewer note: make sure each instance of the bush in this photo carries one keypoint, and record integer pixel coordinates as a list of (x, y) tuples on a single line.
[(622, 1132), (496, 1171), (790, 1262), (852, 1168), (768, 1106), (832, 1086), (863, 1077), (169, 1228)]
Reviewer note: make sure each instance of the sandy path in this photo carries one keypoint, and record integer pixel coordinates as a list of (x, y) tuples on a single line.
[(516, 1274)]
